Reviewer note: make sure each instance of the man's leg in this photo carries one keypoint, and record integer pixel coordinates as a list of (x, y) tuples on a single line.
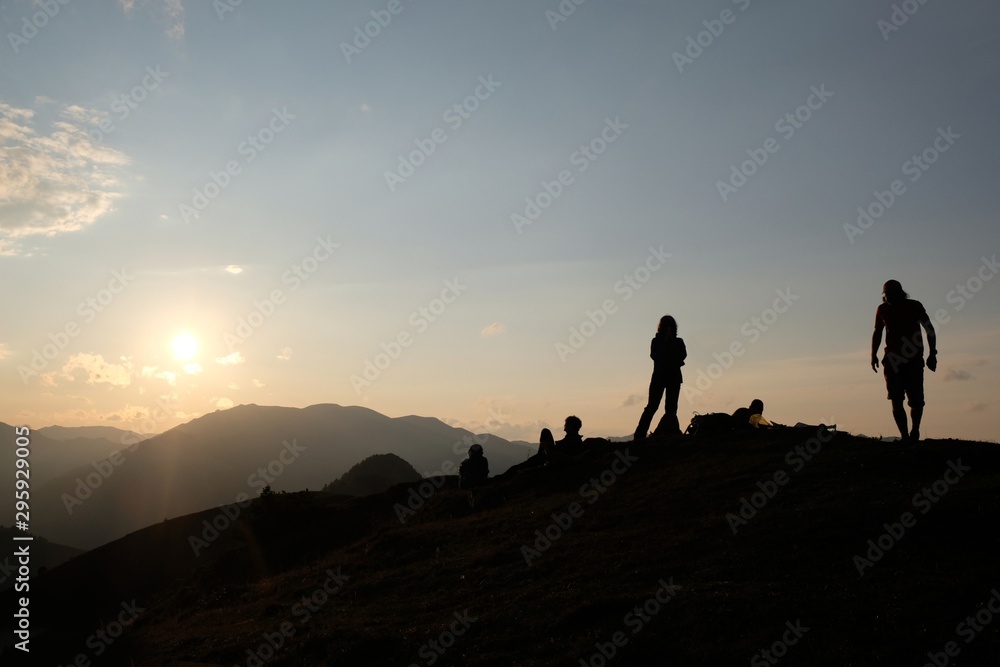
[(899, 414), (915, 396)]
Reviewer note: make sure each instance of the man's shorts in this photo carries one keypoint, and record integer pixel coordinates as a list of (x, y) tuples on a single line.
[(905, 381)]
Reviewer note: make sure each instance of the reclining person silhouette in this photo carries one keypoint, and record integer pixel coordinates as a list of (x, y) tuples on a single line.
[(751, 417)]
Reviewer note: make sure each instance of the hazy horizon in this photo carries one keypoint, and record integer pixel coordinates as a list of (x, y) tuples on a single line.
[(479, 212)]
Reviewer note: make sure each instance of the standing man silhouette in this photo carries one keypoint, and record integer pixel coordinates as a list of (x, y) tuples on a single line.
[(668, 354), (903, 363)]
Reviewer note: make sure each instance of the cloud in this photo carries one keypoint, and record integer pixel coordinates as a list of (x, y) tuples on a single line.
[(154, 372), (222, 403), (231, 359), (953, 375), (285, 354), (167, 12), (257, 383), (233, 269), (56, 183), (5, 351), (632, 400), (495, 329), (98, 370), (193, 368)]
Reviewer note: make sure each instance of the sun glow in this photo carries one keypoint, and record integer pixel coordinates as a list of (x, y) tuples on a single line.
[(185, 347)]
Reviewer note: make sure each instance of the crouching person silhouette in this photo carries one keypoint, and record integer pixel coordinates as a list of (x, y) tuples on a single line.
[(474, 470), (903, 364), (668, 354)]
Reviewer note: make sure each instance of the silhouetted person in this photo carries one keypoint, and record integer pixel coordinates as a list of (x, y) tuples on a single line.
[(668, 353), (903, 364), (474, 470), (750, 417), (546, 443), (573, 442)]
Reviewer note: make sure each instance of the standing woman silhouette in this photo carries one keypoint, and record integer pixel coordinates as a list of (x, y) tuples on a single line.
[(668, 353)]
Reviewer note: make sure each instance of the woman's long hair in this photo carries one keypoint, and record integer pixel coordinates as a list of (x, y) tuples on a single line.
[(668, 326)]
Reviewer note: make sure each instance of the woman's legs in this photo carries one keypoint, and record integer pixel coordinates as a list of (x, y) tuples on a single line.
[(655, 392), (668, 422)]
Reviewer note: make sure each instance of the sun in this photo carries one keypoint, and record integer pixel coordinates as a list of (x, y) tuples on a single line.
[(185, 347)]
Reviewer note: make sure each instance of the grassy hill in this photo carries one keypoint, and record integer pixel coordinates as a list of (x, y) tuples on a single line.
[(374, 474), (638, 552)]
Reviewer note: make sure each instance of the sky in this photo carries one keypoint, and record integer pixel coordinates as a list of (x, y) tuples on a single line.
[(479, 211)]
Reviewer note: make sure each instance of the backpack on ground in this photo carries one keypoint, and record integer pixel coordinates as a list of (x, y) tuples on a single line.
[(710, 424)]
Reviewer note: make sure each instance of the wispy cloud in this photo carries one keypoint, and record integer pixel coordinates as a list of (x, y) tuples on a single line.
[(955, 375), (154, 372), (285, 354), (56, 183), (495, 329), (168, 12), (5, 351), (633, 400), (97, 370), (231, 359)]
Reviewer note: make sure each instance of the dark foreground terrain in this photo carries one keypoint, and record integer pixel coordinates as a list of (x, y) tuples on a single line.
[(859, 553)]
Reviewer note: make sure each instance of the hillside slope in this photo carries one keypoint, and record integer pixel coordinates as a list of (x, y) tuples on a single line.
[(629, 551)]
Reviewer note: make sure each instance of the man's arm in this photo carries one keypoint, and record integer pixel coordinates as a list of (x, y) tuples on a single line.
[(925, 321), (877, 339)]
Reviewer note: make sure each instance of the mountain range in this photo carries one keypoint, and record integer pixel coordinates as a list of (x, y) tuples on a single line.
[(88, 491)]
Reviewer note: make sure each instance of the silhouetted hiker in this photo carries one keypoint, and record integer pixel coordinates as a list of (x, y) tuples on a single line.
[(572, 443), (474, 470), (750, 417), (903, 363), (546, 443), (668, 354)]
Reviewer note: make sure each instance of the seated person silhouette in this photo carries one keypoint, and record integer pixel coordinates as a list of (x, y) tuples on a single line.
[(474, 470), (573, 442)]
